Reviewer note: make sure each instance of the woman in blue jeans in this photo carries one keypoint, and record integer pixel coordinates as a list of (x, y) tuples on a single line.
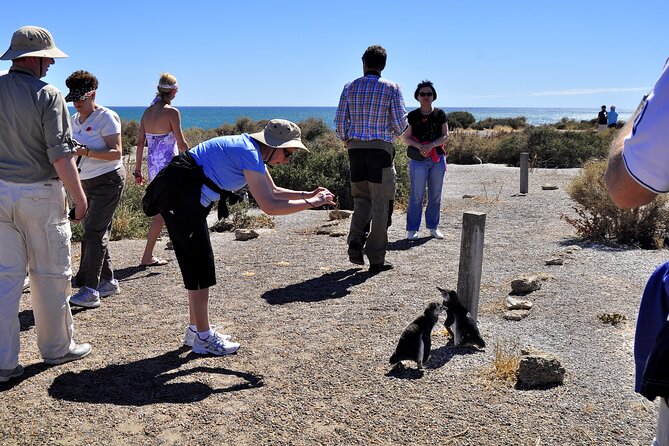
[(425, 136)]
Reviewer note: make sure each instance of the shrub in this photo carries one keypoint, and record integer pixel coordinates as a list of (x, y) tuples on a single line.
[(129, 219), (598, 217), (460, 119), (129, 132), (490, 123)]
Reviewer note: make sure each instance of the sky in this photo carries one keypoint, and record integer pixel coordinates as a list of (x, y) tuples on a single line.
[(534, 53)]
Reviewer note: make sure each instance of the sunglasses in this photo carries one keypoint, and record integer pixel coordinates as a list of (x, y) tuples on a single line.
[(422, 94)]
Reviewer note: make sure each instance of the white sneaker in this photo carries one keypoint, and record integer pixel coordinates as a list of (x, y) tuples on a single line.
[(85, 297), (108, 288), (190, 335), (213, 345), (412, 235), (436, 233)]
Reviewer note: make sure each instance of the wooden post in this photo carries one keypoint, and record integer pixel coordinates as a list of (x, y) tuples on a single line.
[(524, 157), (471, 262)]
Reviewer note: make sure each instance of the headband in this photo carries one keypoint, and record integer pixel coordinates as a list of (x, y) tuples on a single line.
[(168, 87)]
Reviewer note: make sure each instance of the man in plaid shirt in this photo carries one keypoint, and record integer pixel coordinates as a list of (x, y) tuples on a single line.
[(369, 117)]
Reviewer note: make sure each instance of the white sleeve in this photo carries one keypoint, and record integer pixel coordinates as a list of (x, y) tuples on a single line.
[(646, 148)]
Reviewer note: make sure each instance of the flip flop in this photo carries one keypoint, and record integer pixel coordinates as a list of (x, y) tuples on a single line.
[(159, 262)]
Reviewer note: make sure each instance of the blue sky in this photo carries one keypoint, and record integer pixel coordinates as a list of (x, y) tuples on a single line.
[(300, 53)]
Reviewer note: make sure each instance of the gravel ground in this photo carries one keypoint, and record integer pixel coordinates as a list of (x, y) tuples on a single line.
[(317, 331)]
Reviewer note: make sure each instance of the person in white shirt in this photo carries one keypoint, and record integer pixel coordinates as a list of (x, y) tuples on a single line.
[(97, 130)]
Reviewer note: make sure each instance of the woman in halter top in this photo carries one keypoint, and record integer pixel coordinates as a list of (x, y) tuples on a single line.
[(160, 129)]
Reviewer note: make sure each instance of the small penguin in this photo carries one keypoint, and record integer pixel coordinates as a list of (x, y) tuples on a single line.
[(456, 312), (416, 339)]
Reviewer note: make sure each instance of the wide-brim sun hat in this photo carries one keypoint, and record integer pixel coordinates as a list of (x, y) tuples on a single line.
[(32, 41), (280, 134)]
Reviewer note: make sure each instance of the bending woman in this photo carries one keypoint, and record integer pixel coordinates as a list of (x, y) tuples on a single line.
[(160, 128), (425, 136), (98, 130), (184, 192)]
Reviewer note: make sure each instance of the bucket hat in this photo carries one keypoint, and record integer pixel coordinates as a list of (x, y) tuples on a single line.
[(280, 134), (32, 41)]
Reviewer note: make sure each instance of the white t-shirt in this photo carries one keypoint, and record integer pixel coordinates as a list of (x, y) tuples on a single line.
[(102, 122), (646, 149)]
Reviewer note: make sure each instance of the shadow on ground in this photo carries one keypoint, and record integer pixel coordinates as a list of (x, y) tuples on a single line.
[(403, 244), (328, 286), (145, 382)]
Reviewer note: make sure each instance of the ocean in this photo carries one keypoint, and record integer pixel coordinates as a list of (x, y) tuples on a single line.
[(212, 117)]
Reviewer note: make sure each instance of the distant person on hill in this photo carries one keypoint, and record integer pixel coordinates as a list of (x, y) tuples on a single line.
[(612, 117), (602, 119), (369, 117), (36, 161), (184, 192), (98, 130), (425, 137), (160, 127), (638, 170)]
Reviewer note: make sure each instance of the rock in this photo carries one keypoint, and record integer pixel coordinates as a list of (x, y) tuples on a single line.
[(538, 370), (338, 214), (549, 187), (338, 234), (572, 248), (525, 285), (518, 304), (223, 225), (468, 196), (516, 315), (555, 261), (245, 234)]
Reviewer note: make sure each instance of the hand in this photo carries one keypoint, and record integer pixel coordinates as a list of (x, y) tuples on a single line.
[(80, 212), (139, 179), (315, 192), (425, 149), (323, 197)]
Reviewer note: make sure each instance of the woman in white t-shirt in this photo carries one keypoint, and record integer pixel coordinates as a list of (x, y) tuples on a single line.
[(97, 129)]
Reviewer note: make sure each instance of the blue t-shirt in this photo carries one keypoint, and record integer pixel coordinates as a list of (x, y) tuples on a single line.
[(224, 159), (612, 117)]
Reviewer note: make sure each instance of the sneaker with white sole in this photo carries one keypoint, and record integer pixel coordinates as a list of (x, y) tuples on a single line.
[(77, 352), (86, 297), (108, 288), (436, 233), (6, 375), (213, 345), (412, 235), (190, 335)]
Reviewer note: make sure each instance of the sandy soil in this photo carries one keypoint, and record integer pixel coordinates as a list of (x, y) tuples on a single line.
[(317, 332)]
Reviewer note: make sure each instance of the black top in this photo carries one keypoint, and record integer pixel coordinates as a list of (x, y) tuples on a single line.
[(425, 128), (602, 118)]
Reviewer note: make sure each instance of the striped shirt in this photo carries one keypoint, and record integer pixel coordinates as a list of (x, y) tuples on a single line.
[(370, 108)]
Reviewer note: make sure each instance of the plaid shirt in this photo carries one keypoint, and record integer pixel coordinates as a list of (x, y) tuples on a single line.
[(370, 108)]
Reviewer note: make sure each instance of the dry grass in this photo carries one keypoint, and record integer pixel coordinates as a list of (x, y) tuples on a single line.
[(505, 364)]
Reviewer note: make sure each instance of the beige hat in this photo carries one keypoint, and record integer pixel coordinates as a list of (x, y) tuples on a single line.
[(32, 41), (280, 133)]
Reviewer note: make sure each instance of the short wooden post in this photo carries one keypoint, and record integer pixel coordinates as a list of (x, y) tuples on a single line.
[(524, 157), (471, 263)]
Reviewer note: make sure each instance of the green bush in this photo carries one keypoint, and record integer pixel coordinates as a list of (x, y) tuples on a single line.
[(490, 123), (598, 217), (460, 119)]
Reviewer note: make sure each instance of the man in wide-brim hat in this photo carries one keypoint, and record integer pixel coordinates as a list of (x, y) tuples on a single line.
[(35, 162)]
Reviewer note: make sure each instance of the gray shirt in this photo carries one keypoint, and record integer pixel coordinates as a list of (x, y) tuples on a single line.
[(34, 128)]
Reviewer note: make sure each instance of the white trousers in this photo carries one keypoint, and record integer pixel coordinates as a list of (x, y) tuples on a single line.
[(662, 438), (35, 235)]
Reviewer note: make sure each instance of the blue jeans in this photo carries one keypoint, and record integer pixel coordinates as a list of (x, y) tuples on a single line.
[(430, 174)]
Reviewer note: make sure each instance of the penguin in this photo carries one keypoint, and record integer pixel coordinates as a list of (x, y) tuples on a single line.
[(456, 312), (416, 339)]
